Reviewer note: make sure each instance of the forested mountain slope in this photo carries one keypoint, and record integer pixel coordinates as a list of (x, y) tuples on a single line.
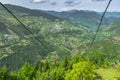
[(113, 28), (57, 49), (28, 12), (88, 18), (56, 37)]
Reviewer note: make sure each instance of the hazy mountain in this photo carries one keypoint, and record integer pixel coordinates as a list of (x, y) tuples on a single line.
[(113, 28), (29, 12), (20, 12), (88, 18), (111, 14)]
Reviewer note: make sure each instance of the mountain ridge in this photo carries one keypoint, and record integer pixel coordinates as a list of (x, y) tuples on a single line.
[(30, 12)]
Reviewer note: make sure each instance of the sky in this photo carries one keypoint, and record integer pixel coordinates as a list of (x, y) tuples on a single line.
[(65, 5)]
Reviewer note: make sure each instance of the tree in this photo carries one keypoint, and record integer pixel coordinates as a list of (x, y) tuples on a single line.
[(64, 63), (81, 71), (46, 66), (57, 73), (3, 72), (26, 71), (97, 58)]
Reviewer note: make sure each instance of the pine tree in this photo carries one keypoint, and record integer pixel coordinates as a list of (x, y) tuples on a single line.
[(64, 63)]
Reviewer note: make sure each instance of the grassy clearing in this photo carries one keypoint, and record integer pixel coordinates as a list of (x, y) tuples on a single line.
[(109, 74)]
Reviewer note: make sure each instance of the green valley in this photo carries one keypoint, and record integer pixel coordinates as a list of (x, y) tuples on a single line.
[(59, 46)]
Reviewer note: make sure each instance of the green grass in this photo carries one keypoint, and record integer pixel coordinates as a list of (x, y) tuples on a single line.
[(109, 74)]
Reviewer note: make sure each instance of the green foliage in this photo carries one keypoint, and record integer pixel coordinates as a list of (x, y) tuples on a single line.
[(109, 73), (65, 63), (3, 72), (113, 28), (81, 71), (26, 71), (117, 67), (57, 73)]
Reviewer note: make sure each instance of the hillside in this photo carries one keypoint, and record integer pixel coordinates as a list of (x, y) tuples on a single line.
[(28, 12), (2, 28), (56, 37), (58, 47), (88, 18), (113, 28), (66, 38)]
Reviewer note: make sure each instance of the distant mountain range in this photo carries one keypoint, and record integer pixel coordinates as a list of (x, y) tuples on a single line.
[(89, 19), (111, 14), (29, 12)]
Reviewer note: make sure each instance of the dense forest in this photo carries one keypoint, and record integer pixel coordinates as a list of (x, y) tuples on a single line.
[(59, 46)]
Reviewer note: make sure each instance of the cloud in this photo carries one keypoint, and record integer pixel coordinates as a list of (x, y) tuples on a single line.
[(72, 3), (39, 1), (65, 9), (53, 3), (98, 0)]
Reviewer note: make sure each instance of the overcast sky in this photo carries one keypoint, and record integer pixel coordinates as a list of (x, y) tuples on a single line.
[(63, 5)]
